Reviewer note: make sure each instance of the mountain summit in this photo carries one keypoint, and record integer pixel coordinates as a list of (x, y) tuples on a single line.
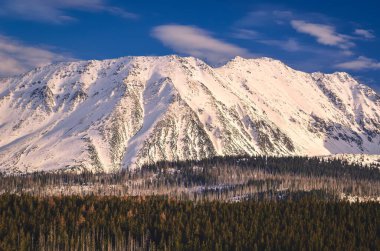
[(120, 113)]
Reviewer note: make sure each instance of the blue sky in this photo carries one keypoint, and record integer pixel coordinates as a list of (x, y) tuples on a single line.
[(311, 36)]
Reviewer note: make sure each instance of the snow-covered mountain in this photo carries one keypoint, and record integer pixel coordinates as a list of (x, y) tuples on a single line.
[(112, 114)]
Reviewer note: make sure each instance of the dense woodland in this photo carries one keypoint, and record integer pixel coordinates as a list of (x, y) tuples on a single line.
[(159, 223)]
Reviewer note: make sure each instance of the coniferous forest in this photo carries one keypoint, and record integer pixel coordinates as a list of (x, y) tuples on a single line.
[(158, 223), (223, 203)]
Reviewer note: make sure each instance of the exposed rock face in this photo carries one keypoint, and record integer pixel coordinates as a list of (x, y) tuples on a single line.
[(112, 114)]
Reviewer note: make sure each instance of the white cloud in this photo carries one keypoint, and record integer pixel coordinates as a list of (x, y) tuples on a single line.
[(16, 57), (325, 34), (361, 63), (55, 10), (197, 42), (364, 33)]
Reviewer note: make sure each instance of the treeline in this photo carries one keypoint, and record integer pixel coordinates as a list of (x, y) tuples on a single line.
[(218, 178), (307, 166), (159, 223)]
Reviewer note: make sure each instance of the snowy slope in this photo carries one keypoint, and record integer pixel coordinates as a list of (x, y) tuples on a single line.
[(112, 114)]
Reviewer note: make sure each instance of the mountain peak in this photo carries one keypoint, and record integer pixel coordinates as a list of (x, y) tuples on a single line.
[(125, 112)]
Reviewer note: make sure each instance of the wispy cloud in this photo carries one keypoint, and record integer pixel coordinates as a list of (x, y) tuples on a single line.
[(193, 41), (361, 63), (245, 34), (291, 44), (265, 17), (55, 11), (325, 34), (17, 57), (119, 12), (312, 24), (364, 33)]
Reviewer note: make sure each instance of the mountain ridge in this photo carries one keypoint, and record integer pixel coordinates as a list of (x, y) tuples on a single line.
[(119, 113)]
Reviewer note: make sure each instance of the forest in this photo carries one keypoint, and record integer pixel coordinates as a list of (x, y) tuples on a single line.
[(162, 223), (222, 203)]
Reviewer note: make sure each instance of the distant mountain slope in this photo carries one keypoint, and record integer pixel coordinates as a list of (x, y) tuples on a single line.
[(112, 114)]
